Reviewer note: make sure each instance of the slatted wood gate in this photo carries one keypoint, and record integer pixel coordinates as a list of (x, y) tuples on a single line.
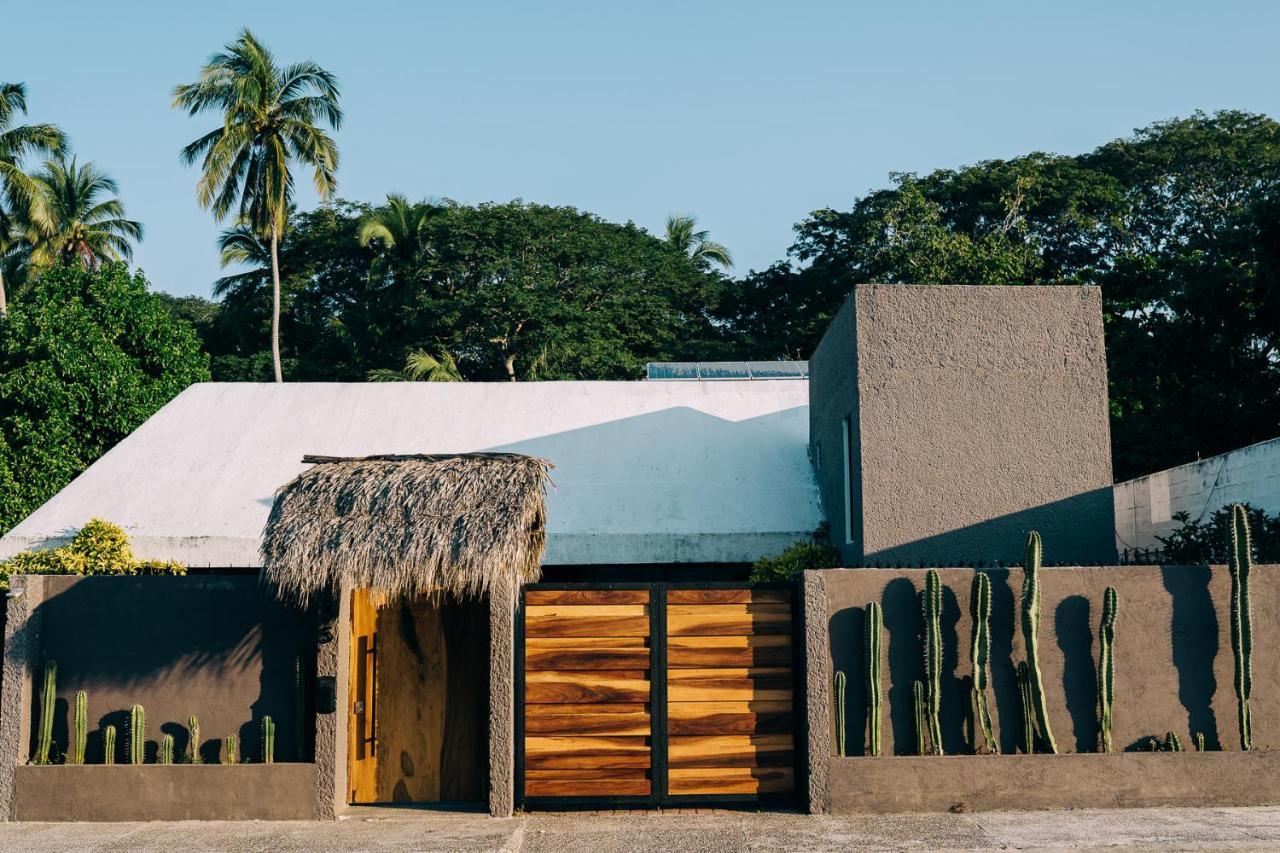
[(656, 694)]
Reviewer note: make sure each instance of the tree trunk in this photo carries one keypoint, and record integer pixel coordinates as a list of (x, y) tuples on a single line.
[(4, 302), (275, 302), (510, 363)]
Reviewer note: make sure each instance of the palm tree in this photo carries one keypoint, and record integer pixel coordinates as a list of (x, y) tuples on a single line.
[(271, 117), (421, 366), (698, 245), (401, 227), (19, 195), (84, 221)]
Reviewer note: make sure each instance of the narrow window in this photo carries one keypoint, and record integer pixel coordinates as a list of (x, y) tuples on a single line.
[(848, 483)]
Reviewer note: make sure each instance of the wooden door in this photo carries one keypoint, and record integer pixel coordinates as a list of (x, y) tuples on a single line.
[(362, 735)]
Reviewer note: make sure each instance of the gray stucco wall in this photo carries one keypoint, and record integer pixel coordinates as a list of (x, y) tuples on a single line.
[(976, 414), (502, 675), (21, 649)]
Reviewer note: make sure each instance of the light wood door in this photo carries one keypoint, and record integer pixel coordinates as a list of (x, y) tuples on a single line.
[(362, 722)]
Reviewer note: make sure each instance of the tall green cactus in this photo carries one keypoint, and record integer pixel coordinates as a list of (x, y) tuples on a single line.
[(980, 660), (931, 607), (1241, 564), (1031, 637), (1199, 741), (233, 750), (165, 755), (1106, 667), (137, 734), (193, 729), (1172, 743), (268, 740), (840, 721), (48, 694), (917, 696), (875, 688), (109, 745), (1023, 677), (80, 728)]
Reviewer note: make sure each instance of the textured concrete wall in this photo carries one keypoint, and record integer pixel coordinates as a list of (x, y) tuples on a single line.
[(979, 413), (503, 599), (1145, 506), (333, 661), (1173, 660), (817, 650), (21, 650)]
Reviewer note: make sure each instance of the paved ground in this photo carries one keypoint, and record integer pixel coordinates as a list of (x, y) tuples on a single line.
[(710, 832)]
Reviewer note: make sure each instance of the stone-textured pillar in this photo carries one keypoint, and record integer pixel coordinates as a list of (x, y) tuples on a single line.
[(333, 659), (817, 649), (503, 599), (21, 655)]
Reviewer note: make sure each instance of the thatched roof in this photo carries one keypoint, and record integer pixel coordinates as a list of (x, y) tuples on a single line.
[(408, 524)]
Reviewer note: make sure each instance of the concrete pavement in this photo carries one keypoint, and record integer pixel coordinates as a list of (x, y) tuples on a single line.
[(707, 832)]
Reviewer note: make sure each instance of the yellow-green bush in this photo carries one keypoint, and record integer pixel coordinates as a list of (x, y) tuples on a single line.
[(99, 548)]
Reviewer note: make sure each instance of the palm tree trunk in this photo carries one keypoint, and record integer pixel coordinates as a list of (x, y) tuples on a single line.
[(275, 302), (4, 302)]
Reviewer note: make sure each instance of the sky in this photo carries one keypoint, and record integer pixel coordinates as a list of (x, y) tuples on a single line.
[(747, 114)]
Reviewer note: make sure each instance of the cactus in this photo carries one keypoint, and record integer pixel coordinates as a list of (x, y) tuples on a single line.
[(1172, 743), (268, 740), (193, 727), (80, 728), (1106, 667), (137, 734), (1199, 741), (44, 746), (931, 606), (1031, 637), (917, 695), (233, 751), (165, 755), (299, 710), (980, 659), (840, 681), (1024, 694), (1240, 564), (109, 745), (875, 690)]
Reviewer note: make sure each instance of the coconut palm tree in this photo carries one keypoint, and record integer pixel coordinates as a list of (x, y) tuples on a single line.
[(698, 245), (421, 366), (83, 220), (401, 227), (19, 196), (271, 120)]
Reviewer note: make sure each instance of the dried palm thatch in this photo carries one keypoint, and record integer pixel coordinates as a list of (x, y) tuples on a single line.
[(408, 524)]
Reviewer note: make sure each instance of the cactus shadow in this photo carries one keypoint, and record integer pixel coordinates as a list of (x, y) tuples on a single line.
[(1074, 633), (1194, 633), (900, 604), (96, 751), (181, 740), (848, 655), (952, 701), (1004, 686)]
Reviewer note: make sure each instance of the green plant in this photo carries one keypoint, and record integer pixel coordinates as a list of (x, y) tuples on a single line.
[(193, 727), (875, 689), (1106, 667), (165, 755), (931, 607), (803, 554), (268, 740), (917, 696), (1031, 637), (109, 745), (840, 721), (98, 548), (44, 746), (1208, 542), (980, 660), (1199, 741), (233, 750), (1023, 677), (1172, 743), (137, 734), (80, 728), (1240, 563)]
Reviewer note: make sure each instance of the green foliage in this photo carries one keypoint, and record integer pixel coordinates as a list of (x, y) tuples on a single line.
[(980, 661), (800, 556), (193, 740), (137, 734), (1030, 621), (109, 745), (98, 548), (1209, 542), (875, 684), (85, 357), (79, 728), (922, 724), (1199, 738), (268, 740), (840, 713), (48, 695), (1106, 667), (1240, 565), (86, 222), (931, 612), (1171, 743)]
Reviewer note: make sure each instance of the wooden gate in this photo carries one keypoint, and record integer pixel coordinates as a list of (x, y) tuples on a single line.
[(656, 694)]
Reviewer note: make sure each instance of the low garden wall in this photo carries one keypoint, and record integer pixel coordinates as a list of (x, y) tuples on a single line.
[(1173, 672)]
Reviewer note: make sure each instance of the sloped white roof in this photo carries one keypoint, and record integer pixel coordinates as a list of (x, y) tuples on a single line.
[(646, 472)]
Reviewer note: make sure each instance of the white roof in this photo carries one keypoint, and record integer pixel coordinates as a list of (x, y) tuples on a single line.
[(646, 472)]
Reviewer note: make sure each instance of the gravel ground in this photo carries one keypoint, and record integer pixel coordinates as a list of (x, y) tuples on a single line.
[(702, 832)]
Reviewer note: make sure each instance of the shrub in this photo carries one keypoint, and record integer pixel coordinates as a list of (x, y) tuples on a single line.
[(815, 553), (98, 548), (1208, 542)]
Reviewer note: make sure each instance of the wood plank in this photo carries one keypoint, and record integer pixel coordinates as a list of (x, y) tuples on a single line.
[(588, 773), (729, 651), (730, 751), (593, 642), (581, 611), (586, 596), (728, 596), (588, 788), (711, 722), (585, 658), (591, 724), (587, 626), (586, 708), (722, 619), (725, 641), (730, 780), (553, 752), (728, 685), (755, 672), (682, 710), (580, 687)]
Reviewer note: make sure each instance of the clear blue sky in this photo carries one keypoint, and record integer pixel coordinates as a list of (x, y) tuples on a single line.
[(747, 114)]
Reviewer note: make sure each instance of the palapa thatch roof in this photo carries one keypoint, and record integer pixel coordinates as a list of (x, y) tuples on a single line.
[(408, 524)]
